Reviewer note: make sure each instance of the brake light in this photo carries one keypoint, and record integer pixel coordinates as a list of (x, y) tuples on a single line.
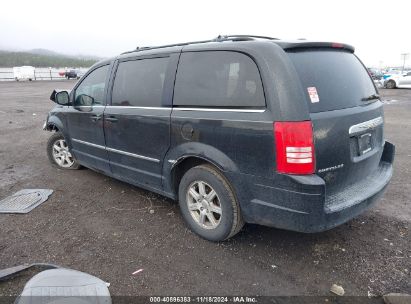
[(294, 147), (337, 45)]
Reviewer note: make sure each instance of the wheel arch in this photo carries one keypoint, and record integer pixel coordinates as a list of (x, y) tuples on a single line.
[(177, 163), (54, 124)]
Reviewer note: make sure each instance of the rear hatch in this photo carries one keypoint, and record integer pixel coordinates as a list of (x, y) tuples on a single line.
[(346, 114)]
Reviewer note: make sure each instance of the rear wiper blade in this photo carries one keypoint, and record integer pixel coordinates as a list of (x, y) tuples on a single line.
[(371, 97)]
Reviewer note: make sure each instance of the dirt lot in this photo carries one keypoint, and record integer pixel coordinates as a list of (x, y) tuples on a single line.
[(102, 226)]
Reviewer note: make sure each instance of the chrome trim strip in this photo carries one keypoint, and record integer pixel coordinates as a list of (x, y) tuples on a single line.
[(225, 119), (92, 106), (116, 151), (132, 155), (88, 143), (135, 107), (192, 109), (220, 110), (366, 125)]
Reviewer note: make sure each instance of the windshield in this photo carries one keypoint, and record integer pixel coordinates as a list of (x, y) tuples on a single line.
[(332, 79)]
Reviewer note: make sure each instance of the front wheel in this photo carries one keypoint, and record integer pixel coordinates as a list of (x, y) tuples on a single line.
[(59, 154), (208, 204)]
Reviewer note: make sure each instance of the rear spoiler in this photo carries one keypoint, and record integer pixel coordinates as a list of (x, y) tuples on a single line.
[(301, 44)]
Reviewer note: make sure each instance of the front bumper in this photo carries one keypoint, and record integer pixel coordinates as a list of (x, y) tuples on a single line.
[(300, 203)]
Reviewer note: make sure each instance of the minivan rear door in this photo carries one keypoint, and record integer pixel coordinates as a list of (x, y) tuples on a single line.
[(346, 113), (137, 122)]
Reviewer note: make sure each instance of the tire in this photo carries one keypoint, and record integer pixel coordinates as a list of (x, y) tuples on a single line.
[(214, 219), (390, 84), (62, 158)]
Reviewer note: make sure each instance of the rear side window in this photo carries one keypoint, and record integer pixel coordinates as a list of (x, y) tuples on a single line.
[(140, 82), (337, 77), (218, 79)]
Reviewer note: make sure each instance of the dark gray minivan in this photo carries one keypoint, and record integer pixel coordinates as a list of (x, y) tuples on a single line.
[(239, 129)]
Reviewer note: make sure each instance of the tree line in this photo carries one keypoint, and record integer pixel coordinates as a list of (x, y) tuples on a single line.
[(11, 59)]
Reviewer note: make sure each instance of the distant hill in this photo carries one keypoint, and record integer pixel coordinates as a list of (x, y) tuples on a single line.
[(52, 53), (44, 52), (44, 58)]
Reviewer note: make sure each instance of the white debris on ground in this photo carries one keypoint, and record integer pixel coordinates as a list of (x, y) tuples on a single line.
[(337, 289)]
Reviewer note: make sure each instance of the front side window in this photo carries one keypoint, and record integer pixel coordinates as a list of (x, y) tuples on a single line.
[(139, 83), (218, 79), (91, 90)]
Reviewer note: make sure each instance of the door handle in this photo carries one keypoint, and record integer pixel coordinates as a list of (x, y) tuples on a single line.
[(95, 117), (111, 119)]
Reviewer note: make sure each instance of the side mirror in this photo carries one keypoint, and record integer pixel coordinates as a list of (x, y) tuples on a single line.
[(60, 97), (63, 98)]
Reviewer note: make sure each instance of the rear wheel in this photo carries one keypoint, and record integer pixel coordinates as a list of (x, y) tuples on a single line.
[(208, 204), (391, 84), (59, 154)]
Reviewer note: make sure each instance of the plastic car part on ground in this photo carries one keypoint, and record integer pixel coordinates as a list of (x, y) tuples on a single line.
[(8, 273), (60, 285), (64, 286), (24, 200)]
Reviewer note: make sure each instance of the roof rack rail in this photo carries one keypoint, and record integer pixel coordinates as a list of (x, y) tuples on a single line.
[(243, 37), (219, 38)]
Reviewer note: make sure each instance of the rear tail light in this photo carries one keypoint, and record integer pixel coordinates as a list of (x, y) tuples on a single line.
[(337, 45), (294, 147)]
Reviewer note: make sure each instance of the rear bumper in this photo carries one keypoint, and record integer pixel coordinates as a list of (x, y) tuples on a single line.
[(300, 203)]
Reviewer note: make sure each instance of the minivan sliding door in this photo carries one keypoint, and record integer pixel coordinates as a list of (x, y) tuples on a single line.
[(137, 123)]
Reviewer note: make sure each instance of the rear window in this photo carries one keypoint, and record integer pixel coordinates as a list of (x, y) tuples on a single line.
[(218, 79), (332, 80)]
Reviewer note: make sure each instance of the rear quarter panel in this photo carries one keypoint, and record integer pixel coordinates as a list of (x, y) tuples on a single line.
[(236, 142)]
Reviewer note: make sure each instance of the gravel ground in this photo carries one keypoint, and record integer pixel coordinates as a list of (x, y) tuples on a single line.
[(102, 226)]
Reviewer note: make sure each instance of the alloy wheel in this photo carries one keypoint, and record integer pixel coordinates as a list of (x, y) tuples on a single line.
[(61, 154), (204, 205)]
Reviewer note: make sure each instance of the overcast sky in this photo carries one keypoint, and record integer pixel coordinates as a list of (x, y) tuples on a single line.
[(379, 30)]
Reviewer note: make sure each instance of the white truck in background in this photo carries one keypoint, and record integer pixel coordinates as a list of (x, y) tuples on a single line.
[(24, 73)]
